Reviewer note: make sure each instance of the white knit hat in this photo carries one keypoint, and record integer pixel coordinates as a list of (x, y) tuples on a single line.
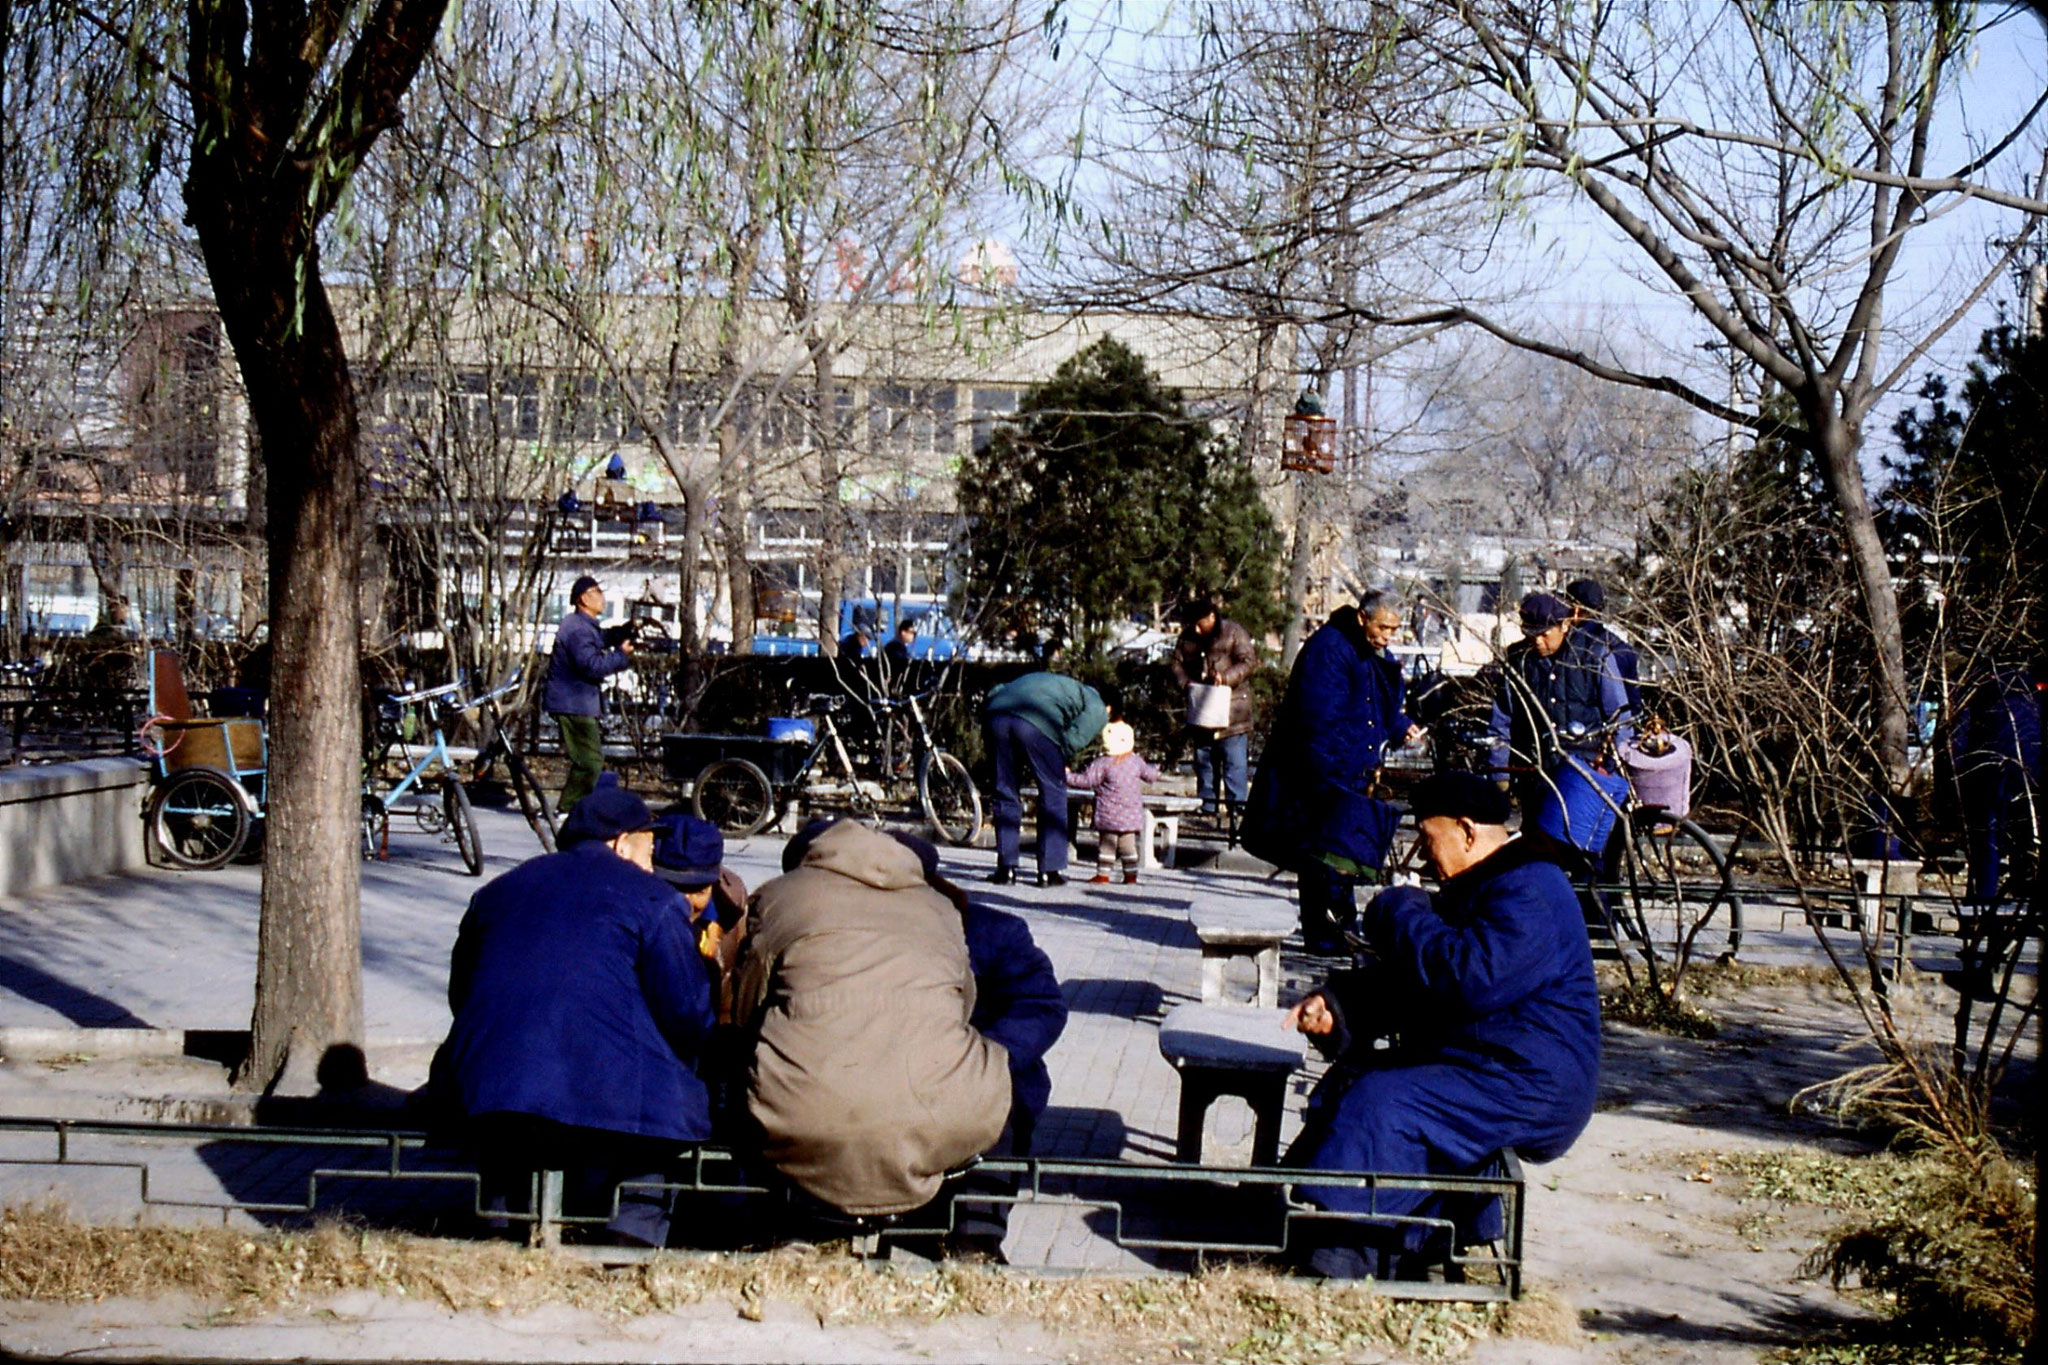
[(1118, 739)]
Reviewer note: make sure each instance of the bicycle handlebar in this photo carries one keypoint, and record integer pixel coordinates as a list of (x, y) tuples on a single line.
[(448, 689)]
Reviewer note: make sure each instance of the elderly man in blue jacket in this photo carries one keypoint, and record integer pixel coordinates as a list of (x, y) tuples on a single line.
[(581, 1003), (1312, 807), (1487, 989), (580, 662)]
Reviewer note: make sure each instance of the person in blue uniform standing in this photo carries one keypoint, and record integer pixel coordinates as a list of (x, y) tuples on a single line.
[(1487, 990), (581, 1003), (580, 662), (1312, 808), (1995, 749), (1559, 692), (1588, 601)]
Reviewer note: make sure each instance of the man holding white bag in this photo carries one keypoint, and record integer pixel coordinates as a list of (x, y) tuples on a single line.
[(1215, 655)]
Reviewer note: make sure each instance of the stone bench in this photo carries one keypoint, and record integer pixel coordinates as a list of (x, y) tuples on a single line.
[(1240, 1050), (1162, 825), (1230, 931)]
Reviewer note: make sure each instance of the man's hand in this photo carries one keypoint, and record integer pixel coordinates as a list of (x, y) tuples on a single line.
[(1416, 734), (710, 939), (1500, 784), (1312, 1016), (627, 647)]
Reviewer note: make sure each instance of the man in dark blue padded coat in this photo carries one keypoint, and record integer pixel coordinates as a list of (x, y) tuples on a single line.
[(1489, 988), (581, 1003)]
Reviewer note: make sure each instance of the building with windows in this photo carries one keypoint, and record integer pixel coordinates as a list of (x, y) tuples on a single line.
[(505, 457)]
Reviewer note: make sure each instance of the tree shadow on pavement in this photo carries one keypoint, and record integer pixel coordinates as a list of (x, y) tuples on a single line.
[(77, 1004)]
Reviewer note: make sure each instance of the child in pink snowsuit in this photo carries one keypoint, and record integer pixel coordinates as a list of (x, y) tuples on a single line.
[(1115, 779)]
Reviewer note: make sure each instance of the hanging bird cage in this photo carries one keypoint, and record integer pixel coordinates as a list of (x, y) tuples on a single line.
[(1308, 438)]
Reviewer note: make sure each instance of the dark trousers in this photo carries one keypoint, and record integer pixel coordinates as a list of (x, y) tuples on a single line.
[(2002, 820), (583, 747), (510, 1148), (1019, 746), (1329, 905)]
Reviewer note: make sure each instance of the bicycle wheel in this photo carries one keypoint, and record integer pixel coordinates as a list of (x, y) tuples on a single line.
[(462, 824), (734, 795), (1682, 866), (950, 801), (199, 818), (534, 805), (376, 827)]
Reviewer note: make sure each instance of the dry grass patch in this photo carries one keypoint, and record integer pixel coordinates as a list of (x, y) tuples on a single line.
[(1235, 1314)]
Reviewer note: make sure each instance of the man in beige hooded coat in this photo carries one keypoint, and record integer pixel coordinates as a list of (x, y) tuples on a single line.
[(867, 1081)]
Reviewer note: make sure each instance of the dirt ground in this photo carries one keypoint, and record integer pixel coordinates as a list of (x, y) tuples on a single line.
[(1646, 1248)]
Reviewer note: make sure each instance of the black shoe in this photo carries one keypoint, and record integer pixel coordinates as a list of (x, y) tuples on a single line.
[(1052, 879), (1003, 876)]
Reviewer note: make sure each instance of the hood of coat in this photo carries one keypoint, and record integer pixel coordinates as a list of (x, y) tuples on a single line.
[(868, 856)]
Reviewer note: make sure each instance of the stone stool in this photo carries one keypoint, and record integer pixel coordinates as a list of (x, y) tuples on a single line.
[(1229, 931), (1237, 1050)]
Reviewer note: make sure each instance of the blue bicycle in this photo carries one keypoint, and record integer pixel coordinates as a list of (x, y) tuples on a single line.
[(430, 789)]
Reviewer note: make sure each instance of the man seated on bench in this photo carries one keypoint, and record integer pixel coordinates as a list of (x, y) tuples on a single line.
[(1488, 990), (855, 990), (581, 1003)]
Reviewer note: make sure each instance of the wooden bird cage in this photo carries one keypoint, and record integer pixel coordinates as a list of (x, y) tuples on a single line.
[(1308, 442)]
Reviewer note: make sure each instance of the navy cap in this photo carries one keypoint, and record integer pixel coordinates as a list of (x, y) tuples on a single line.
[(687, 851), (1541, 611), (582, 585), (1462, 796), (1587, 593), (606, 813)]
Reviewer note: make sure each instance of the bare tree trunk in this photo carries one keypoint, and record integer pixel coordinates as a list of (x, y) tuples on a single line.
[(689, 576), (1299, 562), (309, 983), (735, 503), (1838, 445), (832, 521)]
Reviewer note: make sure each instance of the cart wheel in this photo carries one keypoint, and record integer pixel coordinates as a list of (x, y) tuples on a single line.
[(950, 801), (734, 795), (462, 823), (197, 816)]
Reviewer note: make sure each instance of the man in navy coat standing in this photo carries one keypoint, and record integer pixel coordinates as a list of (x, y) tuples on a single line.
[(1487, 991), (580, 662), (1312, 808), (581, 1002)]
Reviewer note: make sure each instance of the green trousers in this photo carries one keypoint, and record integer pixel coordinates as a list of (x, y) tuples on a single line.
[(583, 747)]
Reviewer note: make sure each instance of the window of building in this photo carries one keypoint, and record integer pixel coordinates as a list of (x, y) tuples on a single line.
[(991, 406)]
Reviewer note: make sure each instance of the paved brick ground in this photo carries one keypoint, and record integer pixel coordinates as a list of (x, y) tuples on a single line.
[(175, 950)]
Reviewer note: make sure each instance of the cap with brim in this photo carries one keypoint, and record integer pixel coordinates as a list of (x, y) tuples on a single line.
[(607, 812), (580, 586), (687, 851), (1587, 593), (1541, 611), (1461, 796)]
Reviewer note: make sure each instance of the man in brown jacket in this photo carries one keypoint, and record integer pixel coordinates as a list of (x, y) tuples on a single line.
[(867, 1081), (1212, 649)]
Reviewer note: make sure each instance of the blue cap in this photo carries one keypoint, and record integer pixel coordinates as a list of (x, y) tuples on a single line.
[(606, 813), (687, 850), (1541, 611)]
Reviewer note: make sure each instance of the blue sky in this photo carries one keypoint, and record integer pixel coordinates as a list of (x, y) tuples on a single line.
[(1561, 263)]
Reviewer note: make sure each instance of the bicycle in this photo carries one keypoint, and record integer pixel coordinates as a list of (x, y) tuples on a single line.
[(452, 821), (499, 747), (1654, 857), (739, 796)]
